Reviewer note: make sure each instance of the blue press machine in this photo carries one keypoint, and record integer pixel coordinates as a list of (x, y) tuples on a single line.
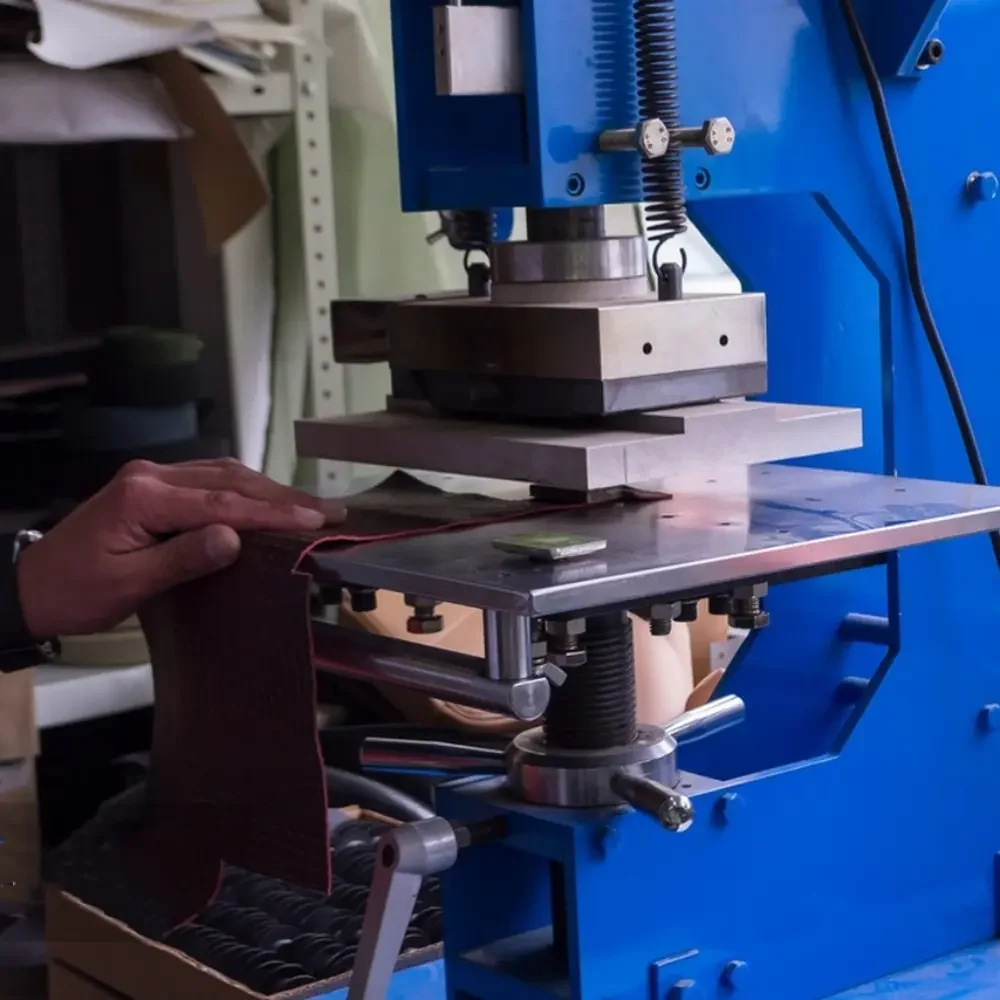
[(849, 828)]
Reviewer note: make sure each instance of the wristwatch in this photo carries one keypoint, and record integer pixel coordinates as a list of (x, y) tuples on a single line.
[(19, 650)]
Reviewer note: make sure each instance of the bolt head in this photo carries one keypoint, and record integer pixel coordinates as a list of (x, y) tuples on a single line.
[(429, 625), (720, 604), (750, 591), (689, 612), (736, 975), (665, 611), (677, 814), (363, 600), (720, 136), (989, 718), (983, 186), (566, 628), (729, 807), (653, 138), (685, 989)]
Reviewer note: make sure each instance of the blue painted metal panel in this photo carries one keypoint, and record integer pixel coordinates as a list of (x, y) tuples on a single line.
[(862, 835), (422, 982), (972, 974), (898, 32), (515, 150)]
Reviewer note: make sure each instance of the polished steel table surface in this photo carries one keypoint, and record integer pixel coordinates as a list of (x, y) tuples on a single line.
[(744, 524)]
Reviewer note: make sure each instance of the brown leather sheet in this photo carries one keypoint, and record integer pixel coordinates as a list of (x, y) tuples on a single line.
[(236, 773)]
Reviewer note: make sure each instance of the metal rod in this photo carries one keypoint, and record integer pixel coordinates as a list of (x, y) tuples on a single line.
[(507, 639), (673, 811), (386, 755), (707, 720), (450, 676)]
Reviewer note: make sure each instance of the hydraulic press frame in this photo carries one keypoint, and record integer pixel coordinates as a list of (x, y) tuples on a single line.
[(848, 828)]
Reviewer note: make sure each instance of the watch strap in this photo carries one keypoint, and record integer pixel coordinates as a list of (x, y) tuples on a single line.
[(19, 650)]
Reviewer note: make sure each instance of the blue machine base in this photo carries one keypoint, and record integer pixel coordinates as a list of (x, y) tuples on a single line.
[(972, 974)]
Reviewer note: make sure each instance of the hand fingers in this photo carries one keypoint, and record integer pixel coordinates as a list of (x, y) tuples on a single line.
[(187, 557), (167, 510), (228, 474)]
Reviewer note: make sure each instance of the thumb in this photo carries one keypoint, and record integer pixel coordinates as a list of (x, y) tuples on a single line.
[(188, 556)]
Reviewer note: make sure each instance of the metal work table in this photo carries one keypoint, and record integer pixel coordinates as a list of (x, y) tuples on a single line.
[(756, 523)]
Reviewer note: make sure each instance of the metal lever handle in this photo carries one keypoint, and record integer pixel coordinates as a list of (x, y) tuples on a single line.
[(707, 720), (402, 860), (673, 811), (385, 755)]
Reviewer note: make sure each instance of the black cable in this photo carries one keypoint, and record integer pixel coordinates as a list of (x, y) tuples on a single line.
[(920, 299), (359, 790)]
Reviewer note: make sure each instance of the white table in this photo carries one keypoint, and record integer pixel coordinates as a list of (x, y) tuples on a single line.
[(76, 694)]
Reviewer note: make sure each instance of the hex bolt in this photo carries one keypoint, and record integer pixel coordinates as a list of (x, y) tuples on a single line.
[(425, 620), (982, 186), (662, 617), (748, 615), (650, 138), (736, 975), (746, 611), (989, 718), (564, 647), (363, 599), (716, 137)]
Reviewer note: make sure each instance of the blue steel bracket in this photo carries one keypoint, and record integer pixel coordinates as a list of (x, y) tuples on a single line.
[(897, 32)]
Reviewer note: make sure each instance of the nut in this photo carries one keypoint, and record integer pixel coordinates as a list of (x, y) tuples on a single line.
[(750, 621), (665, 611), (720, 136), (750, 591), (652, 138), (689, 612), (425, 625), (568, 659), (413, 601), (719, 604), (363, 599), (565, 628)]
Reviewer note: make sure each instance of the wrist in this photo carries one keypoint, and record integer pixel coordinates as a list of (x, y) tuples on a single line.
[(30, 593)]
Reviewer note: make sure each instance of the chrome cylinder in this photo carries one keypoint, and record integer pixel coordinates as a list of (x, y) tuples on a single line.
[(507, 639), (450, 676)]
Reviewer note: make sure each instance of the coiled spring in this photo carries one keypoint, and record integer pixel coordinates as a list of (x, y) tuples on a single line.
[(657, 78)]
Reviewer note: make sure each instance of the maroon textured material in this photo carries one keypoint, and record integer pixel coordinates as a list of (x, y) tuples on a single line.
[(236, 773)]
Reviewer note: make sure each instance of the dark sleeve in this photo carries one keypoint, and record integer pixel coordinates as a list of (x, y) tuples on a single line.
[(17, 647)]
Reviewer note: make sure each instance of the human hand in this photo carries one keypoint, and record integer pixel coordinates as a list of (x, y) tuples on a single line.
[(151, 528)]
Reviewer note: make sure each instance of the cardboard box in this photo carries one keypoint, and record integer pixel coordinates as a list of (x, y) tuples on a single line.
[(65, 984), (85, 945), (231, 190), (20, 847)]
